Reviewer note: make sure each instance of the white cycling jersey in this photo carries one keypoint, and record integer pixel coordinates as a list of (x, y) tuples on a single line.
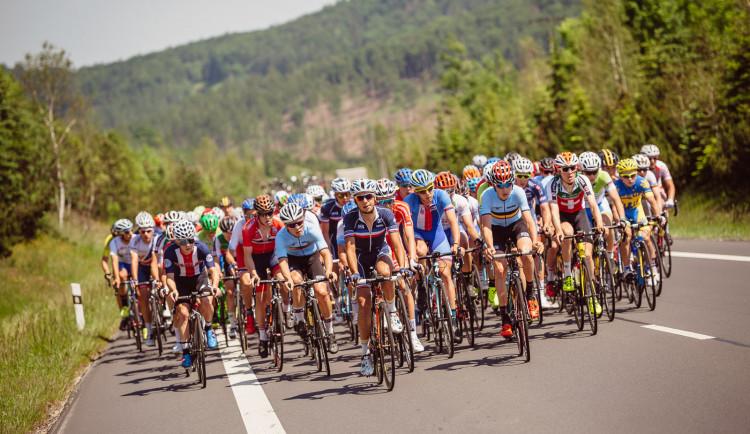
[(142, 249), (461, 205), (119, 248)]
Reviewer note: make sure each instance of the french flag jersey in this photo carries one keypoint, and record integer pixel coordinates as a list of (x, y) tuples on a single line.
[(373, 239), (427, 219), (187, 265)]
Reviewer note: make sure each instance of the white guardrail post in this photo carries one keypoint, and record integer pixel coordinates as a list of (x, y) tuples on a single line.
[(77, 305)]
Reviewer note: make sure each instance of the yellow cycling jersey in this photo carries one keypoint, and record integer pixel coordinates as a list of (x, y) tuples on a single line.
[(105, 253)]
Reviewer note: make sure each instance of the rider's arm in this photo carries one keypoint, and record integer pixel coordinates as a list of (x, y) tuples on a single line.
[(670, 188), (134, 265), (615, 196), (249, 263), (154, 266), (654, 204), (327, 261), (486, 226), (325, 228), (351, 254), (595, 210), (470, 229), (455, 231)]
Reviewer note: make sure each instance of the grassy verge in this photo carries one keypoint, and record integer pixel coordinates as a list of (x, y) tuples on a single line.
[(703, 217), (41, 350)]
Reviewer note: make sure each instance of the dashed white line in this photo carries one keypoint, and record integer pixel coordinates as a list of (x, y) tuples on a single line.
[(257, 412), (711, 256), (678, 332)]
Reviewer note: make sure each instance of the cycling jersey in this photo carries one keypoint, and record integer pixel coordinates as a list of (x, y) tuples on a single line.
[(252, 236), (370, 239), (602, 184), (119, 248), (426, 226), (504, 212), (187, 265), (235, 242), (105, 253), (330, 213), (311, 241), (534, 197), (220, 245), (474, 208), (569, 202), (481, 188), (142, 249), (161, 244), (402, 212), (631, 196), (661, 171), (461, 205)]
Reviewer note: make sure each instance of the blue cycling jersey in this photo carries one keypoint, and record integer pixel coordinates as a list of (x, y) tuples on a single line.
[(190, 265), (311, 241), (428, 221), (534, 196), (370, 239), (504, 212)]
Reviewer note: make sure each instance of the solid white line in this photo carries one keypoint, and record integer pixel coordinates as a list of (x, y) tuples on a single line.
[(678, 332), (257, 412), (711, 256)]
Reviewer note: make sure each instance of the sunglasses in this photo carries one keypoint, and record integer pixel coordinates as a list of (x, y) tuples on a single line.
[(126, 232), (342, 195), (265, 214), (523, 176), (363, 197), (568, 169), (628, 176), (548, 172), (653, 158), (295, 224), (425, 191), (387, 201), (596, 172), (145, 231), (504, 185), (187, 242), (406, 185)]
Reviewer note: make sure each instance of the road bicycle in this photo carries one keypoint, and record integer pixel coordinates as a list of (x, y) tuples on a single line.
[(436, 315), (135, 322), (583, 300), (465, 305), (198, 342), (276, 322), (316, 337), (518, 308), (642, 279), (480, 277), (345, 306), (158, 322), (604, 275), (239, 302)]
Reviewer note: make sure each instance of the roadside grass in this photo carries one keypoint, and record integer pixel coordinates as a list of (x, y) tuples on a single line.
[(706, 218), (41, 349)]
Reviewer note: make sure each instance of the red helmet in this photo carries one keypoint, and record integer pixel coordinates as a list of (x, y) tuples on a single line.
[(445, 180), (502, 173), (472, 173)]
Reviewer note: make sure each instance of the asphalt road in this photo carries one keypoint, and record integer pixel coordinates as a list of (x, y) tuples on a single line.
[(627, 378)]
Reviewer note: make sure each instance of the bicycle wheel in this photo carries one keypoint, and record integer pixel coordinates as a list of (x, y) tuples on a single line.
[(659, 264), (589, 296), (606, 291), (446, 320), (223, 318), (136, 322), (321, 339), (562, 299), (649, 280), (575, 299), (521, 315), (241, 319), (665, 251), (462, 309), (478, 301), (198, 350), (156, 324), (386, 348), (407, 352), (537, 288), (277, 335), (471, 310)]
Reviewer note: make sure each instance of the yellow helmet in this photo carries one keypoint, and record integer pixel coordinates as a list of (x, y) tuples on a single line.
[(627, 165)]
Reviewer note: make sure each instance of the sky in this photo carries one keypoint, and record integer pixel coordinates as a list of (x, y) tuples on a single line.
[(105, 31)]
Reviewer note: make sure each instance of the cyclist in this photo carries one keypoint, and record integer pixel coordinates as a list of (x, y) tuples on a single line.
[(144, 265), (479, 161), (159, 224), (385, 195), (403, 182), (318, 194), (644, 165), (119, 252), (258, 241), (566, 194), (219, 250), (279, 199), (609, 162), (661, 171), (536, 199), (603, 186), (505, 214), (427, 207), (330, 213), (187, 263), (236, 257), (108, 274), (226, 204), (632, 189), (299, 246)]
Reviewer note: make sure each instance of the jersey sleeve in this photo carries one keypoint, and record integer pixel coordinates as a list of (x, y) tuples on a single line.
[(665, 175), (236, 234), (462, 206), (539, 193), (170, 261), (247, 238), (281, 244), (403, 211), (348, 223), (588, 190), (443, 201), (325, 213), (340, 233), (106, 252), (203, 251), (390, 220), (113, 247), (520, 195), (485, 205), (550, 190)]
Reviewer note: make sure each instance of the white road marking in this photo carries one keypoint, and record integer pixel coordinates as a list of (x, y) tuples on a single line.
[(257, 412), (711, 256), (678, 332)]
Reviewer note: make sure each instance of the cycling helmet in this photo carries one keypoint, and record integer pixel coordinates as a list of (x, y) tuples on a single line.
[(547, 164), (362, 186), (291, 212), (192, 217), (182, 214), (650, 150), (472, 183), (487, 169), (199, 209), (493, 160), (608, 158), (422, 178), (511, 156), (123, 225), (169, 231), (209, 222), (501, 173), (237, 213), (208, 211), (227, 224), (263, 204), (183, 230), (316, 191), (626, 165), (226, 201), (171, 217), (217, 212), (310, 201), (642, 161), (444, 181), (588, 161), (280, 197), (299, 199), (522, 165), (159, 219), (248, 203), (144, 220), (349, 207), (537, 168), (471, 172), (566, 159), (386, 188), (463, 187), (340, 185), (112, 230), (479, 160), (403, 176)]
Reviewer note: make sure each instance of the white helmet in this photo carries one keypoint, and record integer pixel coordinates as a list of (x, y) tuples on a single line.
[(182, 214), (522, 165), (218, 212), (310, 204), (237, 213), (479, 160), (589, 162), (386, 188), (183, 230), (316, 191), (171, 217), (291, 212), (123, 225), (340, 185), (279, 196), (642, 161), (487, 171), (363, 185), (144, 220), (192, 217), (650, 150), (199, 209)]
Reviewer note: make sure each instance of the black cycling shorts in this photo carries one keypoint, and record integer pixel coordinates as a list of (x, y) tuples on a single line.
[(265, 261), (514, 231), (309, 266), (579, 220), (186, 285)]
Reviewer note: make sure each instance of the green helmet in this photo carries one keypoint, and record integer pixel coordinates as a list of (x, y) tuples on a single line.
[(209, 222)]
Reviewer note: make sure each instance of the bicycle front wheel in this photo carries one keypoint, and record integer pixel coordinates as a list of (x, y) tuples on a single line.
[(135, 320), (665, 250), (589, 295), (521, 320), (277, 335), (407, 352), (198, 350), (606, 287), (478, 301), (386, 348), (321, 340), (649, 287), (446, 320), (241, 320), (156, 324)]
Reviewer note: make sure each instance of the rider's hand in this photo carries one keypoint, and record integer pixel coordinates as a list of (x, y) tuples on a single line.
[(454, 249), (215, 291), (539, 247), (108, 277), (413, 264), (173, 295), (354, 278), (489, 252), (333, 277), (477, 242), (662, 220), (560, 236), (255, 281), (669, 203), (163, 292), (404, 272)]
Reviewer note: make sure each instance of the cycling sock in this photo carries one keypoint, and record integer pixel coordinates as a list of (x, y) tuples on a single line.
[(232, 320), (299, 314), (453, 313), (413, 325), (287, 307), (263, 334), (391, 305), (504, 317), (365, 347), (529, 290), (329, 324), (148, 327), (566, 267), (550, 274)]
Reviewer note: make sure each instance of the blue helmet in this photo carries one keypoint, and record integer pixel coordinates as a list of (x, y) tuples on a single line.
[(422, 179), (299, 199), (472, 183), (492, 160), (248, 203), (350, 206), (403, 176)]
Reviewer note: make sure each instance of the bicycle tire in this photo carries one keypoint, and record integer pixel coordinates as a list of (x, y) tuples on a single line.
[(277, 335), (322, 341), (241, 318), (538, 292), (387, 349), (649, 284), (607, 287), (577, 302), (375, 328), (589, 294), (156, 327), (522, 324), (478, 299), (471, 309), (559, 270), (666, 253), (446, 320), (135, 320), (407, 349), (659, 264), (200, 363), (462, 309), (223, 318)]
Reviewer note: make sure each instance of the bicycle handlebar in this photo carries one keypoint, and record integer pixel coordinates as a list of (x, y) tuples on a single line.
[(435, 255), (514, 255), (310, 282)]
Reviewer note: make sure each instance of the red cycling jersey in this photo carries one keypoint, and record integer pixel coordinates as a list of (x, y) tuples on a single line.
[(402, 212), (252, 236)]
